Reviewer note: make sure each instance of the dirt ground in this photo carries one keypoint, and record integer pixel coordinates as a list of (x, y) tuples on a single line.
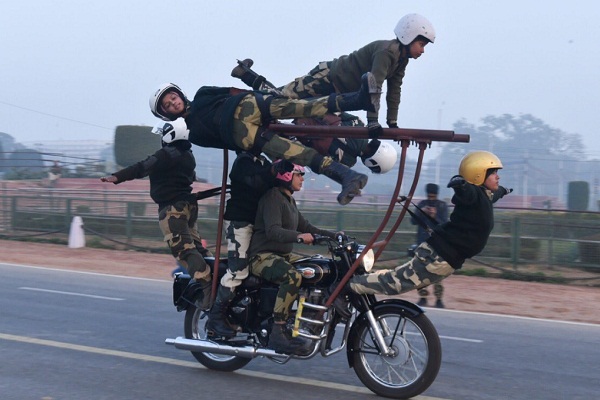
[(465, 293)]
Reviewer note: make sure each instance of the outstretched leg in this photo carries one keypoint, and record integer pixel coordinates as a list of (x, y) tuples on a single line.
[(425, 268)]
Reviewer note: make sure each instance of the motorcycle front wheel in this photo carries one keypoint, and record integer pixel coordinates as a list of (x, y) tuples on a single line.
[(194, 329), (416, 358)]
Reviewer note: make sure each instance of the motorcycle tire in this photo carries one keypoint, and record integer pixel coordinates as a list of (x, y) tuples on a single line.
[(417, 353), (194, 329)]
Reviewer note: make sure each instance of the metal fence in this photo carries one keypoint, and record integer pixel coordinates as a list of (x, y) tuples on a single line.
[(521, 237)]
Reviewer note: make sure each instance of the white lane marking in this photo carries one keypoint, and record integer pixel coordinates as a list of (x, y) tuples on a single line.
[(488, 314), (171, 361), (71, 293), (166, 280), (460, 339)]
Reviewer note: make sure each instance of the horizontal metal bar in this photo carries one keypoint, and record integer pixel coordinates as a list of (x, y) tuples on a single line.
[(314, 131)]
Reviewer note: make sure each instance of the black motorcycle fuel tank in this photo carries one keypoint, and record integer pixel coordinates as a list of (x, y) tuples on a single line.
[(316, 271)]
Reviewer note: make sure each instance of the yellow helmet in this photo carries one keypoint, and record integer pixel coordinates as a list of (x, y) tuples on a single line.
[(473, 167)]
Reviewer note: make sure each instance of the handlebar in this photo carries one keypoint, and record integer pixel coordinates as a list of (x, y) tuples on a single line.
[(320, 239)]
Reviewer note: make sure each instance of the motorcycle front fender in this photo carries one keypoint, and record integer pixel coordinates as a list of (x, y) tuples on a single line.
[(404, 308)]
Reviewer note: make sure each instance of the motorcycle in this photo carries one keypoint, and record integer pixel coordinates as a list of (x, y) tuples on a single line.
[(392, 346)]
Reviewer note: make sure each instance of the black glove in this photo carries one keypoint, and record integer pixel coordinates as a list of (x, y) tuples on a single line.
[(392, 124), (282, 166), (504, 191), (375, 130), (456, 181)]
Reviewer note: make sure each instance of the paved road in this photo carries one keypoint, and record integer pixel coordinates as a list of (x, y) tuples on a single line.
[(70, 335)]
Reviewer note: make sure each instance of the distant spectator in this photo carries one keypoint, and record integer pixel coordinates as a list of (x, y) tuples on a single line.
[(54, 174), (437, 210)]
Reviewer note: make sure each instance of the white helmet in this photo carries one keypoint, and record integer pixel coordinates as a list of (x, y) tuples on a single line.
[(383, 159), (156, 97), (173, 130), (412, 25)]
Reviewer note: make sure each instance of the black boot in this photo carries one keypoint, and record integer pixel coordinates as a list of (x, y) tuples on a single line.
[(352, 182), (217, 325), (204, 301), (249, 77), (282, 341), (367, 98)]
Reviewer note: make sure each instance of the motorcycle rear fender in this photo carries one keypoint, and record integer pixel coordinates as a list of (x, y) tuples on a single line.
[(405, 308), (185, 292)]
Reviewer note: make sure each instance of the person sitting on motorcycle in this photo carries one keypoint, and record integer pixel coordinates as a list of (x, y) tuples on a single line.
[(476, 188), (277, 227), (385, 59), (172, 173), (250, 177), (234, 119)]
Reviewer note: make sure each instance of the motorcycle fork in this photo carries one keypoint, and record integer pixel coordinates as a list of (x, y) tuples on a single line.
[(377, 328)]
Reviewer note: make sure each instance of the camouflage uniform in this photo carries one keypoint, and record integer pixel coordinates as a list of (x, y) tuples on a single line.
[(386, 59), (178, 225), (250, 178), (247, 126), (278, 269), (278, 223), (450, 244), (425, 268), (316, 83), (172, 172)]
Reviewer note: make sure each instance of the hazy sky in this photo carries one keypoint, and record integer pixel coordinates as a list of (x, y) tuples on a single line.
[(76, 69)]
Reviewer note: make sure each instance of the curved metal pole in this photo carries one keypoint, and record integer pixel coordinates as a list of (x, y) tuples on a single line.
[(372, 241), (215, 279), (413, 187)]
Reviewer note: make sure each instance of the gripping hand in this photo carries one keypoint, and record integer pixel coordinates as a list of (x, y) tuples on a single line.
[(456, 181), (504, 191), (375, 130), (392, 124)]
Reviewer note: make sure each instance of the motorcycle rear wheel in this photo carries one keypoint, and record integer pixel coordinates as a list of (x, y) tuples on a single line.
[(194, 329), (417, 359)]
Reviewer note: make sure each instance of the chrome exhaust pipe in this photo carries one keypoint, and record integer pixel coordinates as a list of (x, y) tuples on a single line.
[(197, 345)]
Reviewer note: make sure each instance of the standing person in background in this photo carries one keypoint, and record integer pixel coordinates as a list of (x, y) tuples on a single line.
[(436, 213), (54, 174)]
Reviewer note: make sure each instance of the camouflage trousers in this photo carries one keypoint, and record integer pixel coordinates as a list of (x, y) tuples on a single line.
[(238, 236), (248, 125), (278, 269), (315, 84), (424, 269), (178, 225)]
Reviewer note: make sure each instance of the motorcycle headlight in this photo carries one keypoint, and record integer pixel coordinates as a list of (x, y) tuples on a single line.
[(368, 260)]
